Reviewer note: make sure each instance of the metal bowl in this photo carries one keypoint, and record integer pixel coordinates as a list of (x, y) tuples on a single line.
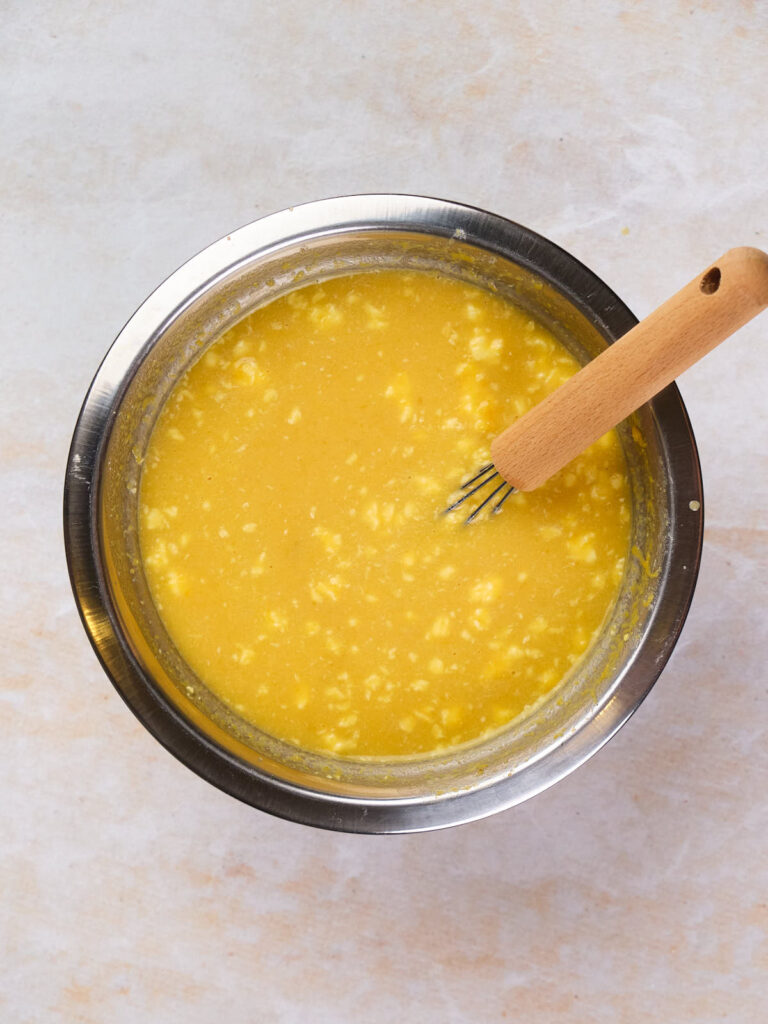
[(170, 330)]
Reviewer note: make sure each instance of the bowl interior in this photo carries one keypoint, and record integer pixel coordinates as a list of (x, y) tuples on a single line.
[(183, 335)]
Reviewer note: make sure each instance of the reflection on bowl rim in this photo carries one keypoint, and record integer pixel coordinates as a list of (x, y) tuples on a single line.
[(197, 747)]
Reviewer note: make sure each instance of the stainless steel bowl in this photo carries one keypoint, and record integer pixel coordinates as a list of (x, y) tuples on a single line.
[(170, 330)]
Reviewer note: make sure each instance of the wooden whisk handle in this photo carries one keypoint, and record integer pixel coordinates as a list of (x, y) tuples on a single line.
[(634, 369)]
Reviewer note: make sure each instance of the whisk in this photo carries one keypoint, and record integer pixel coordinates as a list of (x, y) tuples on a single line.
[(630, 372)]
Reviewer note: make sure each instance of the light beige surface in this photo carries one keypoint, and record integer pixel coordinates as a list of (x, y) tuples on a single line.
[(637, 889)]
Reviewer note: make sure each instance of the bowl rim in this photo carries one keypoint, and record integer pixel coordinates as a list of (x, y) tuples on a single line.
[(384, 212)]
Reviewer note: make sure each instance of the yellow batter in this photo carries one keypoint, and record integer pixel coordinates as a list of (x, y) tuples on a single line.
[(290, 524)]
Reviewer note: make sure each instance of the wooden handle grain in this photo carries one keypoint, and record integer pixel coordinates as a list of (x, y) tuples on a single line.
[(634, 369)]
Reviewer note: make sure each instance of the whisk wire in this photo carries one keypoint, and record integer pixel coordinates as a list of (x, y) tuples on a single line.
[(482, 504), (486, 469), (485, 476), (474, 490), (503, 498)]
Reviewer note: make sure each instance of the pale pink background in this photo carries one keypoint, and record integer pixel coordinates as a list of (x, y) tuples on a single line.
[(133, 135)]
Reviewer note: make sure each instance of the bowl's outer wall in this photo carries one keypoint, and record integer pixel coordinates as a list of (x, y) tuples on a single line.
[(313, 793)]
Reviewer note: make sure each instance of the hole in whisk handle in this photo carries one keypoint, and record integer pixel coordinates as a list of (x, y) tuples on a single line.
[(711, 281)]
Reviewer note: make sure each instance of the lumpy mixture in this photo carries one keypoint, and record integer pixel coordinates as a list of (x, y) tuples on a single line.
[(291, 530)]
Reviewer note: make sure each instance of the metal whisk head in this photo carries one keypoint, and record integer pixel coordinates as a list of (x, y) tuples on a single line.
[(487, 475)]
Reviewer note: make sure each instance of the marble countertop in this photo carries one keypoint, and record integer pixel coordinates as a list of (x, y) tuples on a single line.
[(134, 134)]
